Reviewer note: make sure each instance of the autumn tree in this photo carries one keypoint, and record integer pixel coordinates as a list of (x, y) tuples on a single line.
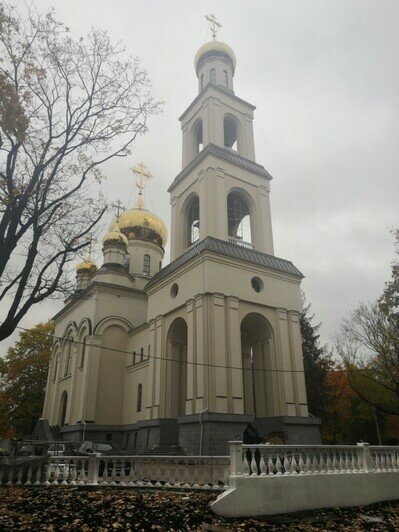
[(368, 343), (23, 377), (66, 107), (316, 362)]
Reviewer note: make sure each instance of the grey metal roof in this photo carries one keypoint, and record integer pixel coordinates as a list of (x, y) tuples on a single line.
[(229, 250), (225, 154)]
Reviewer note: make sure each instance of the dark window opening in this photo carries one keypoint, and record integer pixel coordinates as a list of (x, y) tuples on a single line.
[(83, 353), (202, 81), (139, 397), (212, 75), (194, 222), (225, 78), (146, 264), (198, 138)]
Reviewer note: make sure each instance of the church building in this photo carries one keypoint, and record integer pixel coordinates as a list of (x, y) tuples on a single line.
[(183, 356)]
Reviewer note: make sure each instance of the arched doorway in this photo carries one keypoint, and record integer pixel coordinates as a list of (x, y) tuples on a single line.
[(259, 380), (177, 368), (63, 407)]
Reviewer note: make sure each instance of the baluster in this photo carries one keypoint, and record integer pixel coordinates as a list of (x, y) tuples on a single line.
[(10, 477), (396, 460), (335, 464), (122, 476), (177, 473), (322, 464), (341, 463), (80, 466), (377, 461), (279, 465), (65, 472), (270, 466), (105, 475), (47, 473), (389, 460), (56, 473), (262, 465), (347, 462), (29, 476), (254, 467), (301, 465), (245, 465), (72, 472), (1, 475), (286, 464), (294, 465), (329, 463), (308, 463), (38, 475), (19, 475), (354, 462)]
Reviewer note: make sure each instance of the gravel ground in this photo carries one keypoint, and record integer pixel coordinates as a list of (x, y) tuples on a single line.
[(58, 508)]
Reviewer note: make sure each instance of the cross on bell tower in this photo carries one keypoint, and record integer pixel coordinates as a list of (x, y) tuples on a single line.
[(214, 25), (142, 175)]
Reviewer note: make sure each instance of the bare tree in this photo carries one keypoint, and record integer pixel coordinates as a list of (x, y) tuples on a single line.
[(66, 107), (368, 343)]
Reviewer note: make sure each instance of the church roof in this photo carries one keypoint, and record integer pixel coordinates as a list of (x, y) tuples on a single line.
[(229, 250), (223, 153)]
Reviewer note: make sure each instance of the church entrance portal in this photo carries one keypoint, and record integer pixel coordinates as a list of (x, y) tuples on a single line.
[(256, 345), (177, 367)]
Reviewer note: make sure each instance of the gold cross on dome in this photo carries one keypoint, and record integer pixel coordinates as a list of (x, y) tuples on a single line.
[(142, 173), (118, 206), (214, 25)]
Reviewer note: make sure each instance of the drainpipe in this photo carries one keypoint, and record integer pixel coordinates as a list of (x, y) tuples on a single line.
[(202, 429)]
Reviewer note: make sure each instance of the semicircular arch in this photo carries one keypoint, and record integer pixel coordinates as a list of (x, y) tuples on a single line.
[(113, 320)]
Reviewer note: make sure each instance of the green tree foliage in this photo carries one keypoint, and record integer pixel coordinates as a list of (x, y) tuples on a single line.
[(316, 362), (66, 107), (368, 343), (23, 377)]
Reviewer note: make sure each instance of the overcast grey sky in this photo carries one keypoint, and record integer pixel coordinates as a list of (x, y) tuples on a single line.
[(324, 77)]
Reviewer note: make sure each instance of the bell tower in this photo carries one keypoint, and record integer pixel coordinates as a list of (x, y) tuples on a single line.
[(221, 191)]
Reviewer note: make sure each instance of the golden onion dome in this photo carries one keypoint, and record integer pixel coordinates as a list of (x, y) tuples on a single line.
[(115, 237), (215, 48), (141, 224), (87, 266)]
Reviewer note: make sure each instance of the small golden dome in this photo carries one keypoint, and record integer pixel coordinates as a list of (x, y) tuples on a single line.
[(216, 47), (115, 236), (87, 266), (142, 225)]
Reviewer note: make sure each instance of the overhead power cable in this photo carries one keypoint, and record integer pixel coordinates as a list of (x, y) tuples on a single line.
[(166, 359)]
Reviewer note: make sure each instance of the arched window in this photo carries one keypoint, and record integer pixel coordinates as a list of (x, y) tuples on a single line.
[(149, 351), (160, 265), (56, 363), (193, 221), (238, 219), (68, 357), (146, 264), (225, 78), (212, 75), (142, 354), (230, 133), (202, 81), (139, 397), (63, 407), (83, 352), (198, 142), (134, 357)]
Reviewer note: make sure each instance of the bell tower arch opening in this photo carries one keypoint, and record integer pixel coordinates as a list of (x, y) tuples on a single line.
[(239, 219), (192, 225), (232, 133), (197, 137), (256, 346), (176, 368)]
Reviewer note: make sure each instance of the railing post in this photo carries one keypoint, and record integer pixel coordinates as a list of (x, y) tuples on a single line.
[(235, 457), (367, 459), (92, 474)]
